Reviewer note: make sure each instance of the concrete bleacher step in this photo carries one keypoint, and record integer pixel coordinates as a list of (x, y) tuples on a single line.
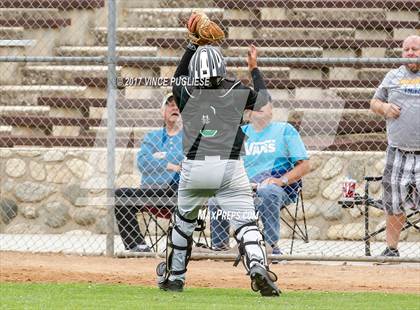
[(362, 24), (134, 132), (11, 33), (241, 51), (336, 14), (36, 23), (10, 44), (291, 33), (187, 3), (102, 51), (128, 114), (5, 130), (61, 74), (29, 13), (27, 95), (319, 4), (49, 4), (353, 93), (268, 72), (24, 110), (165, 17), (371, 74), (394, 52), (349, 44), (135, 36)]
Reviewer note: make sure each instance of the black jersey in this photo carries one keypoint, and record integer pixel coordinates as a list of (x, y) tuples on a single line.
[(212, 117)]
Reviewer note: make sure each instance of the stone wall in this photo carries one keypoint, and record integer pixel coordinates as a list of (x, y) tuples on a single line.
[(60, 190)]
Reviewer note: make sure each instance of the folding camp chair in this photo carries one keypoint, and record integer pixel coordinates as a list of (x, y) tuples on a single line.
[(151, 208), (295, 227), (366, 201)]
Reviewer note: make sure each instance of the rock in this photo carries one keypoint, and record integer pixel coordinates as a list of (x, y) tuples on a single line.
[(81, 154), (355, 212), (316, 162), (59, 174), (5, 153), (413, 235), (311, 211), (101, 226), (314, 233), (55, 214), (95, 184), (332, 211), (128, 180), (332, 168), (356, 169), (84, 216), (15, 167), (382, 235), (37, 171), (98, 160), (8, 186), (80, 168), (374, 212), (28, 153), (53, 155), (335, 232), (333, 191), (32, 192), (73, 192), (29, 211), (380, 166), (25, 228), (8, 210), (310, 186), (354, 231)]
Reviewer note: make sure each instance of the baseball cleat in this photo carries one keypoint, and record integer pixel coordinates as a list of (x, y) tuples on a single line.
[(263, 282), (173, 286)]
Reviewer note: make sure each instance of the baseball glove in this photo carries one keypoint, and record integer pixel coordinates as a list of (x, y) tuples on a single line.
[(202, 31)]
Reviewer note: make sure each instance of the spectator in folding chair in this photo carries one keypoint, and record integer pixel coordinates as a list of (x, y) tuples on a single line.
[(275, 161), (398, 100), (159, 161)]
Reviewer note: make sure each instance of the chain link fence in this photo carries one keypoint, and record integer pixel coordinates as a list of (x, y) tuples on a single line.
[(322, 62)]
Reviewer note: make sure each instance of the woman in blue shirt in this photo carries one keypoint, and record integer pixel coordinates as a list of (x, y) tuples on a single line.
[(159, 161)]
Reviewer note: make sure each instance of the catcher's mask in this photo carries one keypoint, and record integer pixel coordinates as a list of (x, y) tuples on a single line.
[(207, 63)]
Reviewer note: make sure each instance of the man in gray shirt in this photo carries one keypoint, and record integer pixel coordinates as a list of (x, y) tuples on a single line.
[(398, 100)]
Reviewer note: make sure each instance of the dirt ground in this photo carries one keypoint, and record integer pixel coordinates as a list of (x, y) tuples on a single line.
[(293, 276)]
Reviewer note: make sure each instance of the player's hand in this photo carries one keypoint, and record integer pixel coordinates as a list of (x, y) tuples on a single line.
[(391, 110), (173, 167), (252, 57), (270, 181)]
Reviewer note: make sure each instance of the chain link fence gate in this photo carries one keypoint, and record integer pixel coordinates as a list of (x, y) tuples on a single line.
[(313, 54)]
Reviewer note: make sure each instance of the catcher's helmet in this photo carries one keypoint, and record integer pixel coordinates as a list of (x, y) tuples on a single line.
[(207, 62)]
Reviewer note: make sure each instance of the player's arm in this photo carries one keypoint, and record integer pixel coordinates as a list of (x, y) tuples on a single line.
[(182, 71), (147, 161), (379, 104), (258, 96), (388, 110)]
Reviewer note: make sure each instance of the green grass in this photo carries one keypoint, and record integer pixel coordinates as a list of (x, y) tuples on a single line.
[(93, 296)]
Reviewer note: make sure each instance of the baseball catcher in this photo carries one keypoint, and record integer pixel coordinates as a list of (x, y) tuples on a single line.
[(213, 144)]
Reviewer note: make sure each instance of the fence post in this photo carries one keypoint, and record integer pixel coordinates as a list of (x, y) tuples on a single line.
[(111, 110)]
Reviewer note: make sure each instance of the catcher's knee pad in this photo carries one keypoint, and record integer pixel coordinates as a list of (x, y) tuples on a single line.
[(251, 246), (178, 247)]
